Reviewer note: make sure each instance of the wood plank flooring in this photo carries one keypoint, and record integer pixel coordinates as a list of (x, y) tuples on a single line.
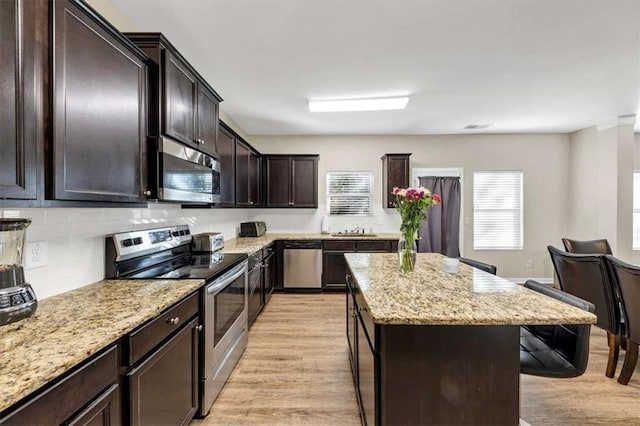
[(295, 371)]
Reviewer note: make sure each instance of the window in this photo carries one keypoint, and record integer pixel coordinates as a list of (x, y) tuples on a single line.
[(636, 210), (349, 193), (497, 210)]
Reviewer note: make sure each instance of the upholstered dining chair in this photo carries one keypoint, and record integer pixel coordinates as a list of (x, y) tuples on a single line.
[(626, 279), (555, 350), (587, 247), (586, 276), (480, 265)]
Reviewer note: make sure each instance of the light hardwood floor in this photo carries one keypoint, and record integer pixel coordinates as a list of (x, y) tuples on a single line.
[(296, 371)]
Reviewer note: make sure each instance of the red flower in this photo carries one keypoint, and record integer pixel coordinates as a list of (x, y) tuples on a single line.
[(396, 190), (436, 199)]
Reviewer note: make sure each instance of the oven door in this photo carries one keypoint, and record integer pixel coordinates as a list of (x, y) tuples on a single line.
[(225, 316), (187, 175)]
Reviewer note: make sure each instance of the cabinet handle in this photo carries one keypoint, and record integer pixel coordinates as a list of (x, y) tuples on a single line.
[(174, 321), (147, 193), (250, 202), (199, 328)]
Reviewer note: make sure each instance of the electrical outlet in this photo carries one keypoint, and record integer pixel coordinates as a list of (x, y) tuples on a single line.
[(36, 255), (529, 263)]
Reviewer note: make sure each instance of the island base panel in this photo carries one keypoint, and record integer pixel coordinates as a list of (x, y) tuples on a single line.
[(449, 375)]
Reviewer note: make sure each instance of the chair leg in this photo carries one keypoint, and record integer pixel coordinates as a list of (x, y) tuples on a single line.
[(630, 360), (614, 352)]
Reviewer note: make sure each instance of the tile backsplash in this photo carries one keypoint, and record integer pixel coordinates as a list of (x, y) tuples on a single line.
[(75, 236)]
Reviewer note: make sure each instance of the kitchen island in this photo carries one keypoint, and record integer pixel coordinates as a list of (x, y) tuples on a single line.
[(436, 348)]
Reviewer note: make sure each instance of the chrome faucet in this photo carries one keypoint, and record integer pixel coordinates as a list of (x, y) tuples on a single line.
[(357, 229)]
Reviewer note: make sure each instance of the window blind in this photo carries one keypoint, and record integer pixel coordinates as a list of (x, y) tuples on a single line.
[(497, 210), (636, 210), (349, 193)]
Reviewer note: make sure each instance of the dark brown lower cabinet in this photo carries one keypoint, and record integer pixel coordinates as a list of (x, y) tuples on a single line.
[(104, 411), (366, 375), (92, 385), (163, 389), (255, 292), (352, 327), (432, 374), (334, 265)]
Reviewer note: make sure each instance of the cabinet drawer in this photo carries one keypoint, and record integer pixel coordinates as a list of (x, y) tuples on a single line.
[(254, 259), (72, 393), (340, 245), (267, 251), (374, 246), (141, 341)]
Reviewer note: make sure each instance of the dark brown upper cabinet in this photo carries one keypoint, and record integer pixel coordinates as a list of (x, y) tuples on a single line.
[(247, 175), (395, 173), (291, 180), (23, 28), (226, 158), (182, 104), (99, 115)]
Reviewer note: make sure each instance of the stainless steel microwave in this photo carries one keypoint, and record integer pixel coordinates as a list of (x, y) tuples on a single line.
[(186, 175)]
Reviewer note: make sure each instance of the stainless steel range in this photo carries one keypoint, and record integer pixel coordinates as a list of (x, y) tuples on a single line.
[(167, 253)]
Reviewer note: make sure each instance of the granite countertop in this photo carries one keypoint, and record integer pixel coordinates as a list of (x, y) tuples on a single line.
[(250, 245), (430, 296), (70, 327)]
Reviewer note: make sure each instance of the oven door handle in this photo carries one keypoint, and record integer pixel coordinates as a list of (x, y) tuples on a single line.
[(227, 278)]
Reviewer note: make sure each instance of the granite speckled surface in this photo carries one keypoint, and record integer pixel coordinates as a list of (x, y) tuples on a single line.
[(251, 245), (430, 296), (68, 328)]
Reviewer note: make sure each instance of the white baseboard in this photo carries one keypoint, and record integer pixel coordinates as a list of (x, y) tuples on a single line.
[(522, 280)]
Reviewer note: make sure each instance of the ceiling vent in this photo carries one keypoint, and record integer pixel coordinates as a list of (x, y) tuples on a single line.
[(477, 126)]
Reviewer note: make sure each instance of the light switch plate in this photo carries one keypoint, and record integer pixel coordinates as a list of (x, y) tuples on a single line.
[(36, 254)]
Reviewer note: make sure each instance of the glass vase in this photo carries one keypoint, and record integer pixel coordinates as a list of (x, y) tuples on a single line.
[(407, 250)]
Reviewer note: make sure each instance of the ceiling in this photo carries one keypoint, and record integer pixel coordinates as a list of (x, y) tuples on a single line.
[(522, 66)]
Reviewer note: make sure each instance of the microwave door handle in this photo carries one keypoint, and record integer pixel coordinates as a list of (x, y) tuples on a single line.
[(226, 279)]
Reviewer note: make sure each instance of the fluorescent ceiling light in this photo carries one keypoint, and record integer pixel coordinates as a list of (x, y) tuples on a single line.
[(378, 104)]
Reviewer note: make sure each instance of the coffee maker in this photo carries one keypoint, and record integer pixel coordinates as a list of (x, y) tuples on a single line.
[(17, 298)]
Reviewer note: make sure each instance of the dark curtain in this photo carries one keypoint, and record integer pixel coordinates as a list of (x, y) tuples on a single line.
[(441, 231)]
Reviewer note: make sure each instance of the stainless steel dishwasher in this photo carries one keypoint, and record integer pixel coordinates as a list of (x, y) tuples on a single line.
[(303, 264)]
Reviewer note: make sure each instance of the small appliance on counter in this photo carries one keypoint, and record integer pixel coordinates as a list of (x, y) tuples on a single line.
[(17, 298), (253, 229), (208, 242)]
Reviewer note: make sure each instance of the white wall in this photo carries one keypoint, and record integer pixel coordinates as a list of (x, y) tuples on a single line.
[(543, 159), (601, 186), (75, 237)]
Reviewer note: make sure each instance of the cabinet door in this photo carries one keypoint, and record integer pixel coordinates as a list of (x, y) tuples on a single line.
[(278, 180), (304, 182), (242, 175), (366, 376), (254, 179), (207, 120), (226, 157), (180, 88), (334, 270), (269, 278), (395, 174), (99, 116), (21, 81), (255, 293), (352, 326), (163, 390), (104, 411)]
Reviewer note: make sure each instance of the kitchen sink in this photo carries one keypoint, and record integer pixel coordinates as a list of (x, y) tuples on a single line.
[(353, 234)]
